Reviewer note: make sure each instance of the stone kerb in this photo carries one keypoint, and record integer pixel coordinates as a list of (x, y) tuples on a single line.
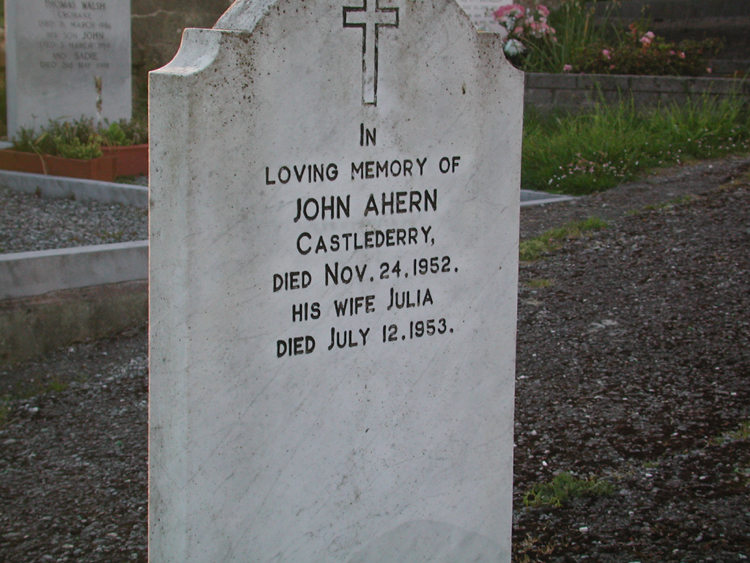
[(25, 274), (75, 188), (574, 91)]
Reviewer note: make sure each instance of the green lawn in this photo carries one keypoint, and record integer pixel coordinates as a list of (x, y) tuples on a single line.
[(592, 151)]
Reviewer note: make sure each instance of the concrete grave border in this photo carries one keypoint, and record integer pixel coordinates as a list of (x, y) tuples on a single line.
[(25, 274), (52, 298), (75, 188)]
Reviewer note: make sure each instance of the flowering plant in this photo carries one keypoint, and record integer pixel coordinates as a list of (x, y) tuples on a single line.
[(523, 26), (645, 54), (582, 42)]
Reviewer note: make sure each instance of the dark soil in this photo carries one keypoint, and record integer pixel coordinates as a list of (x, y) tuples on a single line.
[(633, 368)]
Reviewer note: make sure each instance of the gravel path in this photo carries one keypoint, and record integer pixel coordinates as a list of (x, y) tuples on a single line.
[(28, 222), (633, 367)]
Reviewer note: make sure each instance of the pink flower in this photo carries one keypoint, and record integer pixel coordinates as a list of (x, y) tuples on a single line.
[(672, 53), (645, 41), (682, 55), (567, 68), (538, 29), (607, 53), (650, 35), (518, 31), (542, 9), (511, 10), (708, 70), (611, 67)]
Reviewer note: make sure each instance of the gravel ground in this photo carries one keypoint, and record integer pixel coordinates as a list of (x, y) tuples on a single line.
[(29, 222), (633, 367)]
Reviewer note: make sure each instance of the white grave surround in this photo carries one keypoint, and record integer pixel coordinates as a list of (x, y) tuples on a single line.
[(334, 215), (66, 59)]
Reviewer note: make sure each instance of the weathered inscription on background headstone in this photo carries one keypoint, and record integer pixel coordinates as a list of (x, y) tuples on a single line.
[(334, 239), (480, 13), (67, 59)]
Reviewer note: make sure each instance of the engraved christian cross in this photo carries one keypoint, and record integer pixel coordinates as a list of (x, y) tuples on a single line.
[(370, 21)]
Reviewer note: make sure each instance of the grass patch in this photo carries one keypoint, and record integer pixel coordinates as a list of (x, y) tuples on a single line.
[(597, 149), (742, 433), (666, 205), (548, 241), (57, 386), (28, 389), (4, 412), (111, 235), (539, 283), (743, 474), (531, 547), (131, 180), (565, 487)]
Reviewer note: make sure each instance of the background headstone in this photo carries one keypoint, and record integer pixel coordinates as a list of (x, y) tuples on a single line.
[(334, 243), (157, 27), (66, 59), (480, 13)]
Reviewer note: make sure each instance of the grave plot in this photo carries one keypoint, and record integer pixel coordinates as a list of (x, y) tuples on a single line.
[(73, 262)]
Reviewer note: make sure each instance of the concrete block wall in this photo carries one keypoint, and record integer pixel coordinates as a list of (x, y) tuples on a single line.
[(577, 91)]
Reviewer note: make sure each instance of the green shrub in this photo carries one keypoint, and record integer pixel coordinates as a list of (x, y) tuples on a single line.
[(76, 149), (124, 133), (114, 136), (578, 44), (574, 29), (644, 53), (79, 138)]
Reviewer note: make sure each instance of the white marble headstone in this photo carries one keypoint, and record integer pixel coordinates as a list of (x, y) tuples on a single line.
[(334, 241), (66, 59)]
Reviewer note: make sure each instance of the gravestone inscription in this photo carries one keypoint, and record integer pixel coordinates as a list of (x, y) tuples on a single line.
[(334, 239), (480, 13), (66, 59)]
